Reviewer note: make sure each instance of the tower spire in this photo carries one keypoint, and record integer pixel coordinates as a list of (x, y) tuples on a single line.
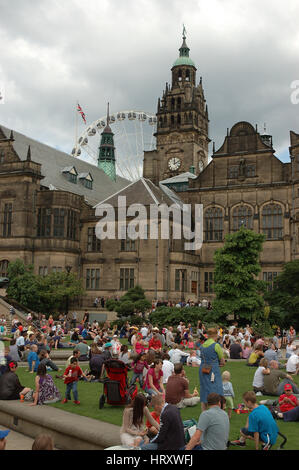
[(106, 160)]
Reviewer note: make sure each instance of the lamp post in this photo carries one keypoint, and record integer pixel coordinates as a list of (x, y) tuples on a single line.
[(68, 270)]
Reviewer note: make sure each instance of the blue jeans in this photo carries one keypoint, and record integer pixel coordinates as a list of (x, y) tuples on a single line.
[(69, 387), (149, 446), (150, 391), (137, 376)]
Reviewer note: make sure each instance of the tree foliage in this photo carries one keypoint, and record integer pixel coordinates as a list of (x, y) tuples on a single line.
[(46, 294), (284, 298), (237, 290), (132, 301)]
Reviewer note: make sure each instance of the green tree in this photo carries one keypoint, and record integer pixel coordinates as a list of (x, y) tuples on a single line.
[(284, 298), (41, 294), (237, 290)]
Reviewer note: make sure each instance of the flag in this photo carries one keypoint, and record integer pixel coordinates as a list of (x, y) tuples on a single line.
[(80, 110)]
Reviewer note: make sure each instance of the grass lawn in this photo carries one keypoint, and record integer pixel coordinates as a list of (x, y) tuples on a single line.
[(241, 377)]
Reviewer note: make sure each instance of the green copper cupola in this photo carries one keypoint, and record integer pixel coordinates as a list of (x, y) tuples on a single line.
[(106, 160)]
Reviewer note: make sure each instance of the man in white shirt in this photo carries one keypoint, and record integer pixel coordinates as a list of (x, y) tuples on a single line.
[(292, 366), (177, 354), (167, 368), (144, 331)]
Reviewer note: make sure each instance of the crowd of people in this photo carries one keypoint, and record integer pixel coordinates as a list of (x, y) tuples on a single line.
[(159, 359)]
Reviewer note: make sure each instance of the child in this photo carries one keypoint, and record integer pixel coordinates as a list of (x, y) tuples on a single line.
[(33, 360), (151, 430), (287, 401), (228, 392), (193, 360), (71, 377), (138, 366)]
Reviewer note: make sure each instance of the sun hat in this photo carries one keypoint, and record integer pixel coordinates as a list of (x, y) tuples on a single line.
[(3, 434), (107, 345)]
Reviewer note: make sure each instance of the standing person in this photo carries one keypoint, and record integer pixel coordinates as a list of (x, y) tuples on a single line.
[(45, 390), (260, 425), (228, 392), (85, 318), (74, 319), (33, 359), (212, 430), (139, 364), (209, 370), (71, 377)]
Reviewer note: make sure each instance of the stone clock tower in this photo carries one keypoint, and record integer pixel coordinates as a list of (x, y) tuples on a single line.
[(182, 124)]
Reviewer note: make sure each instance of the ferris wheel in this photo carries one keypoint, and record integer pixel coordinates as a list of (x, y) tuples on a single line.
[(133, 134)]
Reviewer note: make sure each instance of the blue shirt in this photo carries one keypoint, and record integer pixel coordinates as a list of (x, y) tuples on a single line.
[(32, 356), (261, 421)]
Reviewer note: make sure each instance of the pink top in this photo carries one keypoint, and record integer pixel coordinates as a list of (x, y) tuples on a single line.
[(156, 380)]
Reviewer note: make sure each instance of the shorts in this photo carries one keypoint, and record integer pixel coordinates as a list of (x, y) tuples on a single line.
[(229, 402)]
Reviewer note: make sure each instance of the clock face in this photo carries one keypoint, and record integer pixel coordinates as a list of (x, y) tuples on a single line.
[(174, 163)]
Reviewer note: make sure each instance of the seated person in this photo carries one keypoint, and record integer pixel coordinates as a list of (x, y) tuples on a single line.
[(235, 350), (46, 361), (152, 431), (275, 381), (171, 433), (258, 379), (212, 430), (287, 401), (256, 356), (10, 387), (177, 389), (83, 347), (193, 360), (260, 425), (292, 366), (46, 391)]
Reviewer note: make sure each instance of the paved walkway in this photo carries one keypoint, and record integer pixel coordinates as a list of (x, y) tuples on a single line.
[(17, 441)]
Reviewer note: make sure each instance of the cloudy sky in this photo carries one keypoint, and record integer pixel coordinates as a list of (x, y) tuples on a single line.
[(53, 53)]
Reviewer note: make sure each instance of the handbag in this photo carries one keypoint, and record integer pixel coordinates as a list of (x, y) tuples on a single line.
[(206, 368)]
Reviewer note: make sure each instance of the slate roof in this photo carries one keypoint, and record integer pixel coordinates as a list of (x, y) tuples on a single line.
[(143, 191), (53, 161)]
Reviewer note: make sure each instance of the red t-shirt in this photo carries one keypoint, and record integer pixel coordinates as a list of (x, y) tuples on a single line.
[(72, 374), (287, 406), (156, 418), (155, 344)]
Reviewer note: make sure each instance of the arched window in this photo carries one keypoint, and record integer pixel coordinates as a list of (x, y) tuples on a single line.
[(242, 215), (272, 221), (172, 120), (179, 119), (213, 223), (187, 75), (172, 103), (179, 103), (180, 75), (3, 268)]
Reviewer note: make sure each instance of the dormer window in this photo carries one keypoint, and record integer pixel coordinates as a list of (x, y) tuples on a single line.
[(86, 180), (70, 174)]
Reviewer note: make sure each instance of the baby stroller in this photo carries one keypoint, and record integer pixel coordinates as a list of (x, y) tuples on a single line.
[(116, 388)]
